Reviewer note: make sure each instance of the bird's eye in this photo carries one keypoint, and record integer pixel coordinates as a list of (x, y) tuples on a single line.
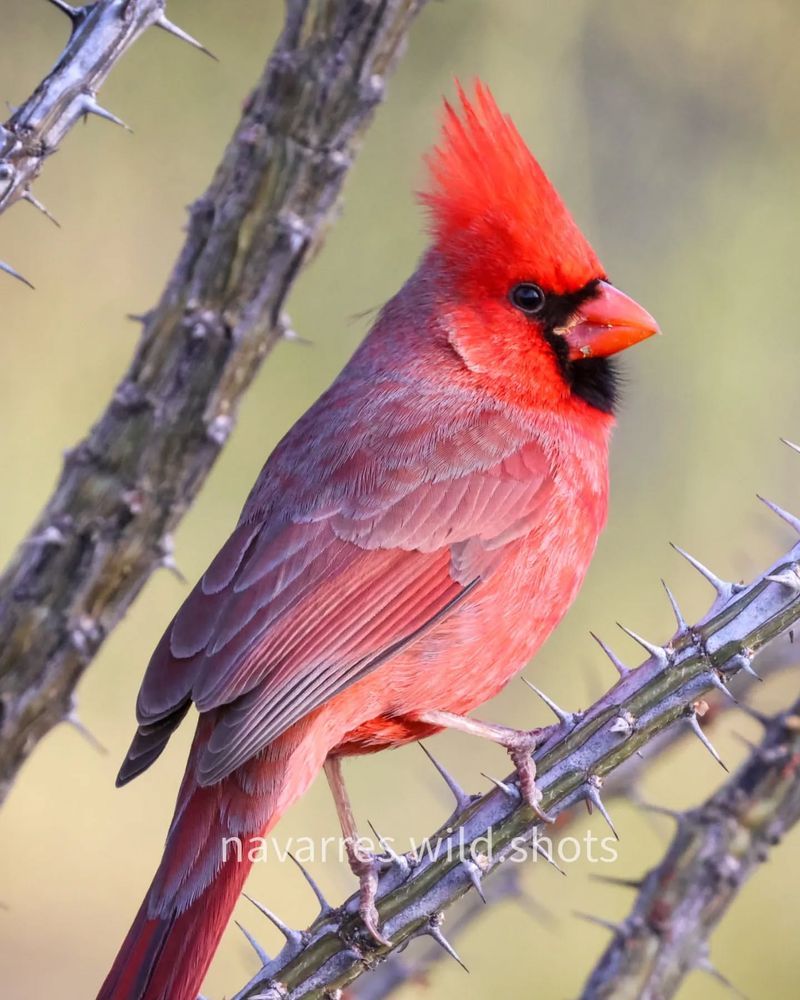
[(528, 297)]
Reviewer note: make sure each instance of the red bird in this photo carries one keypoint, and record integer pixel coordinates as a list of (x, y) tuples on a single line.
[(407, 547)]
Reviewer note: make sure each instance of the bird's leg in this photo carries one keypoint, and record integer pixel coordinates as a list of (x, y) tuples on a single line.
[(365, 866), (520, 744)]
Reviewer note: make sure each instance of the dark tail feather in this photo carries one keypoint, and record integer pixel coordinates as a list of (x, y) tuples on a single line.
[(166, 958)]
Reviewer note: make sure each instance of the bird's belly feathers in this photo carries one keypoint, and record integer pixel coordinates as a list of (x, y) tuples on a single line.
[(470, 656)]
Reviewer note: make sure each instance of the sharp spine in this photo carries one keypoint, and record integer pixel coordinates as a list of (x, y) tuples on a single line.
[(8, 269), (474, 874), (724, 589), (325, 908), (568, 718), (794, 447), (788, 577), (89, 106), (717, 682), (293, 937), (463, 799), (163, 22), (591, 794), (620, 667), (784, 515), (683, 625), (743, 662), (609, 925), (74, 720), (433, 930), (31, 199), (76, 14), (263, 957), (510, 790), (542, 851), (694, 724), (658, 653)]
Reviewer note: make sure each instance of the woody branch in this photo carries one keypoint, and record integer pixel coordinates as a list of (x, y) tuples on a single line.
[(100, 34), (124, 489), (666, 690)]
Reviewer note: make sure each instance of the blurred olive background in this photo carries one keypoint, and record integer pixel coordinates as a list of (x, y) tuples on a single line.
[(673, 131)]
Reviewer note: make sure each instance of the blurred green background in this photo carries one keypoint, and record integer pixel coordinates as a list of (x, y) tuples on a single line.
[(673, 131)]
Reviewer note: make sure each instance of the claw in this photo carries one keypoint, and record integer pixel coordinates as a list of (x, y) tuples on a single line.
[(263, 957), (568, 718), (790, 519), (163, 22), (658, 653), (366, 871), (591, 794), (293, 937), (696, 728), (683, 625), (463, 799), (621, 669), (325, 908), (723, 588)]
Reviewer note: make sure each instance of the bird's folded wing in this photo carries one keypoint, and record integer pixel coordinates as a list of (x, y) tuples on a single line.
[(295, 609)]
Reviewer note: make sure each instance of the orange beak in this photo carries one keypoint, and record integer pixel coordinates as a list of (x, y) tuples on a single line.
[(607, 323)]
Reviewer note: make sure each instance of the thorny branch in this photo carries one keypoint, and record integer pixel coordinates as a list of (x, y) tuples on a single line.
[(100, 34), (510, 883), (123, 490), (716, 848), (666, 690)]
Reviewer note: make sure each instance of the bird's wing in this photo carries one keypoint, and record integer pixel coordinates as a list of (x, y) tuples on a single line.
[(297, 607)]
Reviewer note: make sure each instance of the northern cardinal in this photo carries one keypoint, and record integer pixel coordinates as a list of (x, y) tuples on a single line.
[(406, 548)]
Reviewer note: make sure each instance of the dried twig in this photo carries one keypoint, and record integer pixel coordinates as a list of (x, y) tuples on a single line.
[(716, 848), (100, 34), (667, 689), (107, 526)]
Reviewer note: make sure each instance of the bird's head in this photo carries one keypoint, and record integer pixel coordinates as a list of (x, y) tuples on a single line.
[(525, 298)]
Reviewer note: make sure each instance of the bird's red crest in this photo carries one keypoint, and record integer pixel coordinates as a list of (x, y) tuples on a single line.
[(490, 202)]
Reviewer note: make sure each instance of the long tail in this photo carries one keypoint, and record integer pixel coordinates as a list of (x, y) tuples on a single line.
[(175, 934)]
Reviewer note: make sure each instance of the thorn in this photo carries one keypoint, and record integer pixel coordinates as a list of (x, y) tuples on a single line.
[(607, 924), (394, 858), (509, 790), (293, 937), (76, 14), (789, 577), (167, 548), (622, 670), (77, 724), (790, 519), (794, 447), (263, 957), (463, 799), (620, 883), (682, 623), (433, 929), (653, 807), (755, 715), (591, 794), (724, 589), (15, 274), (568, 718), (624, 724), (542, 851), (716, 681), (696, 728), (163, 22), (743, 662), (87, 105), (704, 964), (658, 653), (30, 197), (325, 908), (474, 874)]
